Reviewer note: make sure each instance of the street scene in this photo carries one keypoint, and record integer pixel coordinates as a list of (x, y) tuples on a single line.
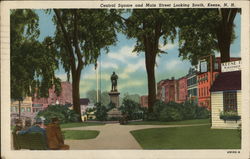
[(108, 79)]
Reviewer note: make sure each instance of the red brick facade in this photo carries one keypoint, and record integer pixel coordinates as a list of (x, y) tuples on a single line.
[(181, 90), (144, 101), (64, 98)]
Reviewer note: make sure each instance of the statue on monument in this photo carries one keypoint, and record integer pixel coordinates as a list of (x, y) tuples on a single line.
[(114, 79)]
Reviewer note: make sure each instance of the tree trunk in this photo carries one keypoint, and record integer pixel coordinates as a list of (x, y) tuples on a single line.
[(76, 96), (224, 42), (224, 32), (150, 66)]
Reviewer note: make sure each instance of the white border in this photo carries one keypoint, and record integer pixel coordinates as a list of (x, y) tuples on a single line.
[(107, 154)]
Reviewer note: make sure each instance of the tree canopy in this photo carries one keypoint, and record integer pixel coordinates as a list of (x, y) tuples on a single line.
[(32, 62), (204, 31), (80, 36), (148, 27)]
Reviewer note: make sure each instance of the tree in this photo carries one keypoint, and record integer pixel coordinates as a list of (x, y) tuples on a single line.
[(148, 27), (204, 31), (133, 97), (80, 36), (32, 62)]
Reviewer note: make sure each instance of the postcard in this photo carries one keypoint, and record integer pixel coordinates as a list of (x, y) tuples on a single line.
[(125, 79)]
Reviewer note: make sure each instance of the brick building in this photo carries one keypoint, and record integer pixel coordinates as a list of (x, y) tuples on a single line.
[(205, 81), (181, 90), (64, 98), (171, 90), (144, 101), (166, 90)]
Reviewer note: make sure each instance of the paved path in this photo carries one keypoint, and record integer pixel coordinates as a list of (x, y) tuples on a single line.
[(112, 136)]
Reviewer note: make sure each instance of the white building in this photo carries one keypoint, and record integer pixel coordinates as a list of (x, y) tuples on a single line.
[(226, 100)]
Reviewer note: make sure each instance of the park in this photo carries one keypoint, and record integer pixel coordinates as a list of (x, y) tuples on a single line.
[(125, 79)]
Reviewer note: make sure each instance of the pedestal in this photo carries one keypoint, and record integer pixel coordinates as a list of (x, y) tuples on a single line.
[(114, 98)]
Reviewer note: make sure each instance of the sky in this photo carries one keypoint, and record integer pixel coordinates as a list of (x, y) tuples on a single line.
[(129, 66)]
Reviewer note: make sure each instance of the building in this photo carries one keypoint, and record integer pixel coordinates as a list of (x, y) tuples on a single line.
[(171, 90), (26, 111), (226, 98), (204, 84), (192, 88), (65, 98), (166, 90), (205, 81), (144, 101), (181, 90), (25, 105)]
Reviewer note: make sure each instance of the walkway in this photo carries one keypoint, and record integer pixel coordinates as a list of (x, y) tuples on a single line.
[(112, 136)]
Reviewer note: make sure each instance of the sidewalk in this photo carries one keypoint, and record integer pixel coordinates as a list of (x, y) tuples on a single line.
[(112, 136)]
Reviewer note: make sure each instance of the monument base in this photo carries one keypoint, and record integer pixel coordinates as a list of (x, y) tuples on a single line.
[(114, 113), (114, 98)]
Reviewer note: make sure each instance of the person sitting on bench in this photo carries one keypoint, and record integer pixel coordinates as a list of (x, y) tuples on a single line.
[(35, 128), (18, 126), (54, 136)]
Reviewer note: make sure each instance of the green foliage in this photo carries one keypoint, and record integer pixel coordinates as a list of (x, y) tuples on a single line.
[(170, 114), (100, 112), (62, 112), (80, 124), (131, 109), (148, 23), (177, 111), (110, 106), (149, 27), (80, 134), (204, 31), (133, 97), (32, 62)]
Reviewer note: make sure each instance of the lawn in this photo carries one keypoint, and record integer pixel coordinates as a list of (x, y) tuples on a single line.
[(80, 124), (193, 137), (185, 122), (80, 134)]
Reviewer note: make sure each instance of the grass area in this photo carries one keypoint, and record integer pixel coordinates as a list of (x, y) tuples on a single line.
[(185, 122), (193, 137), (71, 125), (80, 134)]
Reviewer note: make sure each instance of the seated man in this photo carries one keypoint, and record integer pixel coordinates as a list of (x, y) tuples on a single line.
[(55, 137), (35, 128)]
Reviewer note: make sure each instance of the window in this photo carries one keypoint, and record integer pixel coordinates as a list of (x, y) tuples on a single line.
[(22, 109), (28, 109), (230, 101)]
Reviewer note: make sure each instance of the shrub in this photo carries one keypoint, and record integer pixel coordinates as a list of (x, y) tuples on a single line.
[(101, 112), (170, 114), (202, 113), (110, 106), (62, 112), (189, 110), (131, 109), (176, 111)]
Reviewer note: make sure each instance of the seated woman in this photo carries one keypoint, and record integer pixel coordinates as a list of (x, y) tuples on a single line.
[(55, 137)]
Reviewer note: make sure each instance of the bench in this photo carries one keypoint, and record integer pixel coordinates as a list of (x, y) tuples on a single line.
[(31, 141)]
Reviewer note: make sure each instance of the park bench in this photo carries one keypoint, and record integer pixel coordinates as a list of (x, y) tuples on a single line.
[(31, 141)]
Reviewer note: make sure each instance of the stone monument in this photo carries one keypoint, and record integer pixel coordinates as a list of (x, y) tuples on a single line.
[(114, 97)]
